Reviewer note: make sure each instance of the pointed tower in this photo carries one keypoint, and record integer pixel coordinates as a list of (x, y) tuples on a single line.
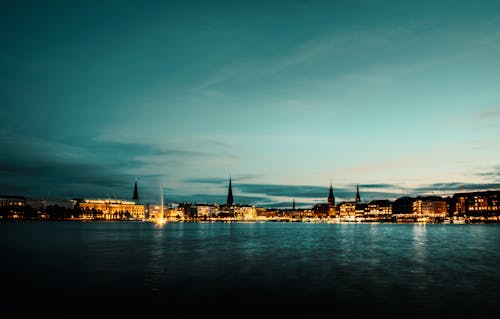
[(358, 198), (293, 204), (230, 194), (136, 193), (331, 197)]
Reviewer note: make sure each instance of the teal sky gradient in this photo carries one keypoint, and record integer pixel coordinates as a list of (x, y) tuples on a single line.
[(299, 93)]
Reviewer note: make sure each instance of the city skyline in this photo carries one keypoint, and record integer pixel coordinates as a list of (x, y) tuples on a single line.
[(307, 196), (400, 98)]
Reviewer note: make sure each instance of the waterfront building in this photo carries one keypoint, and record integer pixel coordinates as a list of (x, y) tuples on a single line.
[(188, 210), (111, 209), (245, 212), (321, 210), (174, 214), (347, 211), (427, 209), (328, 209), (378, 210), (206, 211), (432, 206), (12, 206), (350, 211), (154, 212), (482, 205), (360, 211), (266, 213)]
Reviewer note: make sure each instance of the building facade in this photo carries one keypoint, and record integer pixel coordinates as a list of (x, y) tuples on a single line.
[(111, 209)]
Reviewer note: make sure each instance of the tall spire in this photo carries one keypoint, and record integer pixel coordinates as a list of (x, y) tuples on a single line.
[(358, 198), (136, 193), (331, 197), (293, 204), (230, 194)]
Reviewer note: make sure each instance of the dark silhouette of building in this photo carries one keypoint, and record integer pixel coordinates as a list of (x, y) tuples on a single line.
[(136, 192), (331, 197), (230, 201), (189, 210), (358, 198), (403, 205), (293, 204)]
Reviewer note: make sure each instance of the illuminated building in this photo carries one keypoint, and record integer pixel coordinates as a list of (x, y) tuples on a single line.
[(378, 210), (360, 210), (111, 209), (347, 211), (169, 213), (12, 206), (205, 211), (430, 206), (188, 210), (321, 209), (477, 205), (350, 211), (429, 209), (326, 209), (245, 212)]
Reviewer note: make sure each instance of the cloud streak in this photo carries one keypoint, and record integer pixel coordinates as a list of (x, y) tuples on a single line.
[(494, 113), (82, 167)]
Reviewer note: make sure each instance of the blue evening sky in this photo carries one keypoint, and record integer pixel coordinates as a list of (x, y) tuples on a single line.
[(400, 97)]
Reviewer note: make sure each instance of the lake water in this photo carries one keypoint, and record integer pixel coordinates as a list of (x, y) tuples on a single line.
[(249, 269)]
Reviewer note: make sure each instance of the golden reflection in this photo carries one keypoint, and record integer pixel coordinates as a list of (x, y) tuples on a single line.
[(420, 253), (155, 269)]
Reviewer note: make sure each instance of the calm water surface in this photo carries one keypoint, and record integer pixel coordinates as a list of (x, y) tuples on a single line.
[(249, 269)]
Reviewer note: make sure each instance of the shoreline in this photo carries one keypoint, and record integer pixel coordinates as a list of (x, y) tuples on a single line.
[(258, 221)]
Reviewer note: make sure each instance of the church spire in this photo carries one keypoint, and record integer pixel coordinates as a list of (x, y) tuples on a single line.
[(358, 198), (331, 197), (230, 194), (136, 193), (293, 204)]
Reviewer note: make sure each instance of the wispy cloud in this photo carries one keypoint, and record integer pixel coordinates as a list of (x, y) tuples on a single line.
[(446, 188), (493, 113), (219, 181), (386, 186), (214, 181), (493, 174)]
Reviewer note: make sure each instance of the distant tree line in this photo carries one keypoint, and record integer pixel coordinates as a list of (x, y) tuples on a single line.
[(55, 212)]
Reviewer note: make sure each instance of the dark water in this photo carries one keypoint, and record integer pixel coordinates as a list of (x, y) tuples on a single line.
[(249, 269)]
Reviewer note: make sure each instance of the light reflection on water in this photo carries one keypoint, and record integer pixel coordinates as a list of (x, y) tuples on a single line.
[(391, 268), (420, 255), (155, 269)]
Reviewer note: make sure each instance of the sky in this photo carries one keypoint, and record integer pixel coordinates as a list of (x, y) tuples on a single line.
[(285, 97)]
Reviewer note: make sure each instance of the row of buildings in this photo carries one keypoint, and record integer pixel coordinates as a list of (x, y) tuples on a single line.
[(481, 206)]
